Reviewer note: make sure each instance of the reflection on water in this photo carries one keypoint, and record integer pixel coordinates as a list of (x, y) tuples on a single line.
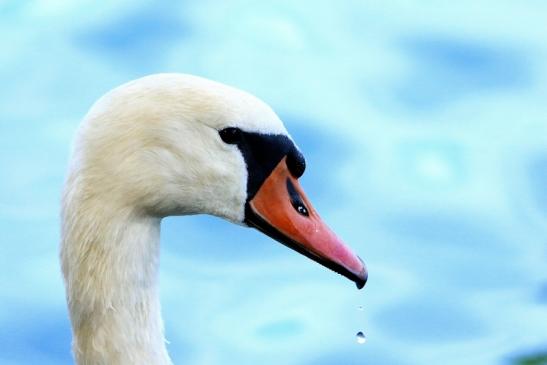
[(539, 358)]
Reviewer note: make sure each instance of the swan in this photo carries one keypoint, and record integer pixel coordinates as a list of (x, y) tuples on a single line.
[(162, 145)]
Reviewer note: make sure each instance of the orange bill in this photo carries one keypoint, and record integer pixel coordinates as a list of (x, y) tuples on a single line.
[(281, 210)]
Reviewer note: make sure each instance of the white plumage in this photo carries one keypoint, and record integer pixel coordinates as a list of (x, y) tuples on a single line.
[(146, 150)]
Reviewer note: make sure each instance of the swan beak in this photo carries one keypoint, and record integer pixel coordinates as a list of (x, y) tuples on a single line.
[(281, 210)]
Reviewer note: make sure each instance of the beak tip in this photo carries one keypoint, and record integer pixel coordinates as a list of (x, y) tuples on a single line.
[(362, 277)]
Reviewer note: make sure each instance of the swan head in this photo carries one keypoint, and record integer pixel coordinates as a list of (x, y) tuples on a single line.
[(172, 144)]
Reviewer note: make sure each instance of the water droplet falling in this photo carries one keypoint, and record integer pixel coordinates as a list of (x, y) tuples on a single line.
[(361, 339)]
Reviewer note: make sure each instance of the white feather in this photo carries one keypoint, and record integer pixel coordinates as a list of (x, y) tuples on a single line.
[(145, 150)]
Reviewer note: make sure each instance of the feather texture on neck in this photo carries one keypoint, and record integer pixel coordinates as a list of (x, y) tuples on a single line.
[(110, 260)]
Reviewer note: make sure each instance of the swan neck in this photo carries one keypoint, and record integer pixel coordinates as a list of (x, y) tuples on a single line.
[(110, 266)]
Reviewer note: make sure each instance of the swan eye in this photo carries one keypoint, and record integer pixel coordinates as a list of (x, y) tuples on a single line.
[(230, 135)]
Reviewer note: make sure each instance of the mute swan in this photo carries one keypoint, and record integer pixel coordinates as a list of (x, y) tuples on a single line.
[(172, 144)]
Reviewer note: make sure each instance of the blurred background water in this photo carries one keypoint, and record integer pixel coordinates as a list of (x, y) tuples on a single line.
[(425, 129)]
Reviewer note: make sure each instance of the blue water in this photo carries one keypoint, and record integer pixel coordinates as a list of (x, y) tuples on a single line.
[(425, 131)]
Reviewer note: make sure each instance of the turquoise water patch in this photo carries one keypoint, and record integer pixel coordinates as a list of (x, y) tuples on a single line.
[(280, 329), (445, 70), (538, 182), (416, 321)]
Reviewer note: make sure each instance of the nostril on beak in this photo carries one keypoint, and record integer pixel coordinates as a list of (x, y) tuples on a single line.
[(296, 200)]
